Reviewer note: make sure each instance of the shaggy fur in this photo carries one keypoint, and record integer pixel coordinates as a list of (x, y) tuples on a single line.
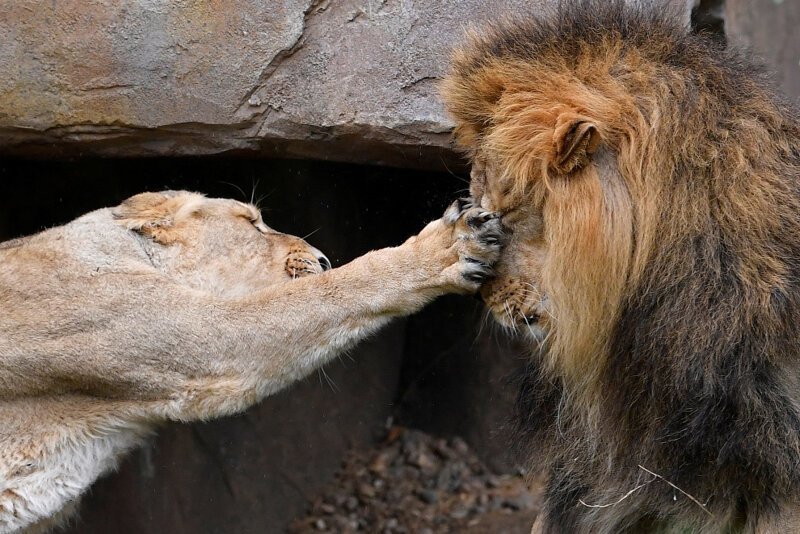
[(650, 178), (176, 307)]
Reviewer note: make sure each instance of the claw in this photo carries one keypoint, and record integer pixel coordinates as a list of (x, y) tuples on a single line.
[(453, 212), (464, 203), (475, 277), (477, 221)]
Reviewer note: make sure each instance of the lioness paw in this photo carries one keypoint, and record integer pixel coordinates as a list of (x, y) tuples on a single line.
[(479, 239)]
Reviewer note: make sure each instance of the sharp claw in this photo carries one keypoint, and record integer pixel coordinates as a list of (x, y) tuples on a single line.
[(453, 212), (475, 277), (475, 222), (481, 219), (478, 262)]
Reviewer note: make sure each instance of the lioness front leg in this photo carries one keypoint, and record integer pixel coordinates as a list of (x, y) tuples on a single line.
[(294, 328), (138, 333), (135, 318)]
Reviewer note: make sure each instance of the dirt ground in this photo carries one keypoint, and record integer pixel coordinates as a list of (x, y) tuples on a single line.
[(420, 484)]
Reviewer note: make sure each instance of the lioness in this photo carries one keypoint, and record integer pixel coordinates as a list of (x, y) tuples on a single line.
[(173, 306), (651, 180)]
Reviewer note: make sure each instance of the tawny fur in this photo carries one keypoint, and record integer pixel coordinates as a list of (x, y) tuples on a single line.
[(650, 179), (175, 307)]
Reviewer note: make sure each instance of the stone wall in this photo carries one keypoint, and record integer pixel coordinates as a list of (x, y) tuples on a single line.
[(770, 29), (351, 80)]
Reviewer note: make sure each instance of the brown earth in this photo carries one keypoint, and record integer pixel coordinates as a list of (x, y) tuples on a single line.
[(416, 483)]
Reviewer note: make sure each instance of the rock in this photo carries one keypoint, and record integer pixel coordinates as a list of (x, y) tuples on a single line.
[(351, 504), (522, 501), (349, 80), (428, 496), (366, 491), (381, 463), (459, 513), (772, 34)]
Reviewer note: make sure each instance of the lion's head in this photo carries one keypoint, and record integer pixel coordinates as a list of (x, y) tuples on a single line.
[(649, 178), (216, 245), (610, 154)]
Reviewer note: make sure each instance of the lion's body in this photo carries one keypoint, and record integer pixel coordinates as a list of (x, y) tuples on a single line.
[(176, 307), (652, 181)]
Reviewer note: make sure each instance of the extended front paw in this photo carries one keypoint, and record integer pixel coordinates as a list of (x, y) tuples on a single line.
[(479, 238)]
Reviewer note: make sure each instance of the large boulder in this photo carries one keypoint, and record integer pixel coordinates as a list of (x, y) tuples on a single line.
[(349, 80)]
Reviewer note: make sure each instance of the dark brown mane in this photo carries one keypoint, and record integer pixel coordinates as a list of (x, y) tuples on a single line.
[(697, 378)]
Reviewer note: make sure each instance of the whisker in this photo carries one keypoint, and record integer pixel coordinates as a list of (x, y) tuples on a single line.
[(244, 195), (312, 233), (330, 381), (253, 191), (262, 198), (451, 173)]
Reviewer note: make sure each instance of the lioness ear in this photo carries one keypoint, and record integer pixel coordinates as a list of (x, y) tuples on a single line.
[(575, 140), (156, 214)]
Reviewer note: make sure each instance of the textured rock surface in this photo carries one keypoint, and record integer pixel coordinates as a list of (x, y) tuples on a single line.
[(770, 29), (348, 80)]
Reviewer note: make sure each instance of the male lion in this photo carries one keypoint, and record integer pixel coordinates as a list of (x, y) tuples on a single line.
[(173, 306), (650, 179)]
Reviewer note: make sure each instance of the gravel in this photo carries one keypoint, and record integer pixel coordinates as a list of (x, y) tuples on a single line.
[(417, 483)]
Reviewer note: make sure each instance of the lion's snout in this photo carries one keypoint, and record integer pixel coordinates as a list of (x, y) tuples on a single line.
[(513, 302)]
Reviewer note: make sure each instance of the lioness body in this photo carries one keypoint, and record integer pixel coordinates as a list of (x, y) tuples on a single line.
[(652, 183), (176, 307)]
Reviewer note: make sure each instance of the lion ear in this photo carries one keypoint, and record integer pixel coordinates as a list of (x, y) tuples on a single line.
[(155, 215), (575, 140)]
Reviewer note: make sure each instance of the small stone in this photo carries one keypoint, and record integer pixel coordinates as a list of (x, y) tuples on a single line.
[(366, 490), (459, 512), (320, 524), (381, 463), (460, 446), (254, 101), (523, 501), (424, 460), (427, 496), (496, 502)]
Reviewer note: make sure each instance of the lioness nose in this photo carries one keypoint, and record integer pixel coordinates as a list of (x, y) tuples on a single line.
[(323, 260)]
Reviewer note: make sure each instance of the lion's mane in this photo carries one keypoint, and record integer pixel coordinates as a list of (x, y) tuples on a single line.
[(676, 261)]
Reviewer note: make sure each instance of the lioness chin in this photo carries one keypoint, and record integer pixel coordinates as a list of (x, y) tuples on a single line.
[(176, 307)]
